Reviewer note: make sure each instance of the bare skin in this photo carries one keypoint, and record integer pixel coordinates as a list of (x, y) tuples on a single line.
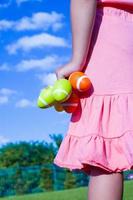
[(102, 186), (105, 186), (82, 21)]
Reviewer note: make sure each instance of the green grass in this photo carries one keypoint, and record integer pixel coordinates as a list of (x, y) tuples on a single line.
[(128, 190), (71, 194)]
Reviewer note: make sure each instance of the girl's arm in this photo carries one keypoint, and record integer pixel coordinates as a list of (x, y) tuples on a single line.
[(82, 21)]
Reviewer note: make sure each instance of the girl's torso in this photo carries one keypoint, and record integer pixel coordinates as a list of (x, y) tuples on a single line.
[(110, 63)]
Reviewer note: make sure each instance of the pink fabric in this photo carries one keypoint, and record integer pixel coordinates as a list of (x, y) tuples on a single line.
[(125, 2), (100, 132)]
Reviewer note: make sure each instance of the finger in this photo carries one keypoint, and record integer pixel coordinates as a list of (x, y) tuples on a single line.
[(59, 75), (66, 77)]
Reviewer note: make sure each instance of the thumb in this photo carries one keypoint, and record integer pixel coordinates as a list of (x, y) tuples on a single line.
[(59, 75)]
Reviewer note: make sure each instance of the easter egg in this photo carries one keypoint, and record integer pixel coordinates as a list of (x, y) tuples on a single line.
[(79, 81), (58, 107), (62, 90), (46, 98), (71, 104)]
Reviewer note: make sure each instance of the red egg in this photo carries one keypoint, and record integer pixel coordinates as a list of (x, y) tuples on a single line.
[(71, 104)]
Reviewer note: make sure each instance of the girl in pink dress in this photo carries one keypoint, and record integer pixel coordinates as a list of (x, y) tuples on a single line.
[(99, 140)]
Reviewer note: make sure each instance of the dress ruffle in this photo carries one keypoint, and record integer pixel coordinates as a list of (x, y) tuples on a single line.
[(100, 134)]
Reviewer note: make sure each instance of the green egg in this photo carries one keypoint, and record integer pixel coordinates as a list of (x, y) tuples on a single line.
[(46, 98), (62, 90)]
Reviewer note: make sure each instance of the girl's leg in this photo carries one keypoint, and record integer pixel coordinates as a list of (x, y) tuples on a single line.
[(105, 186)]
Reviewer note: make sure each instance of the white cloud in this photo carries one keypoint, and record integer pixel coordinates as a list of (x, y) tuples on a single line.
[(22, 1), (4, 67), (5, 24), (5, 3), (3, 100), (57, 26), (24, 103), (3, 140), (5, 94), (48, 79), (36, 41), (48, 63), (38, 21)]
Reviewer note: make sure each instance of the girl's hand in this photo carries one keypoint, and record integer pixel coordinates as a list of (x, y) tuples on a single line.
[(65, 70)]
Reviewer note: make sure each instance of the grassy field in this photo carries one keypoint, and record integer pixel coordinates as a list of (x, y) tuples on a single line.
[(71, 194)]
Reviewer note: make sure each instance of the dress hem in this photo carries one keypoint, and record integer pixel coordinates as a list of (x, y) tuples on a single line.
[(111, 156), (86, 167)]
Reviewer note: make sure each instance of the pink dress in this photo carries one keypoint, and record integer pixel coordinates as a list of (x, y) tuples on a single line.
[(100, 131), (125, 2)]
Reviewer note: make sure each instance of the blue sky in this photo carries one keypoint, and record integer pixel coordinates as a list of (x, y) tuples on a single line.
[(35, 39)]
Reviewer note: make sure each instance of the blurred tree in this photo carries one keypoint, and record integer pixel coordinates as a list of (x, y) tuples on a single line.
[(57, 140), (46, 181), (70, 180), (4, 185), (27, 167), (26, 154)]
